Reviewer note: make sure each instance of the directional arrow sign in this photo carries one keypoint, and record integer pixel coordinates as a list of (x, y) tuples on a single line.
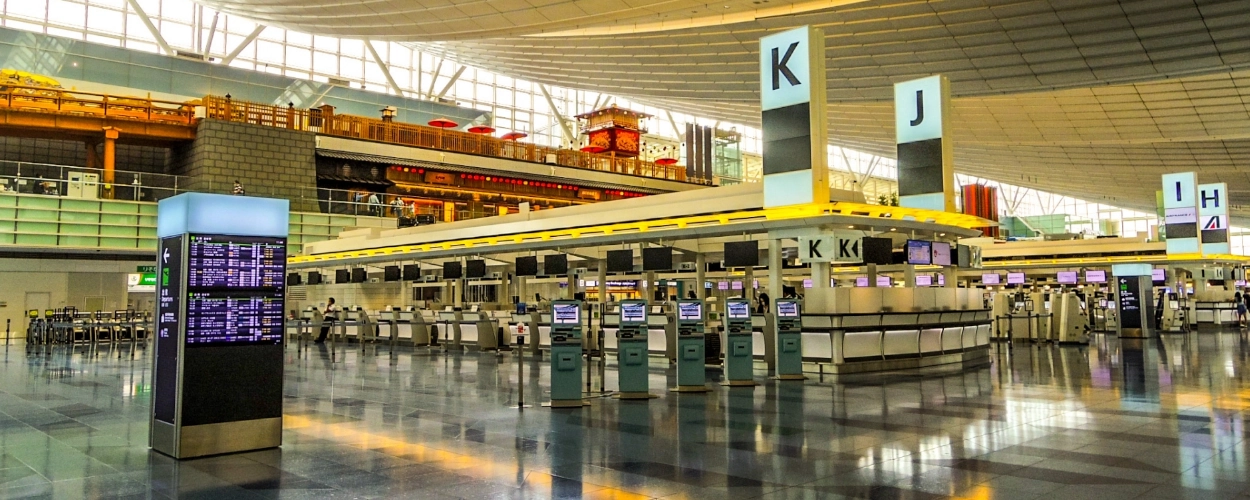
[(849, 246)]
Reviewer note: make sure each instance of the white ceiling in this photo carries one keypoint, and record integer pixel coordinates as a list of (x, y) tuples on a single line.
[(1090, 98)]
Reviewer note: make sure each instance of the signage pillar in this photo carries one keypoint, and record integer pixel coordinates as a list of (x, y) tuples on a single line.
[(794, 123), (221, 299), (926, 171), (1134, 306), (1213, 218), (1180, 213)]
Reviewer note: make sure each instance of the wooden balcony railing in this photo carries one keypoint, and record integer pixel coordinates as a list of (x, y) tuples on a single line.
[(324, 121), (89, 104)]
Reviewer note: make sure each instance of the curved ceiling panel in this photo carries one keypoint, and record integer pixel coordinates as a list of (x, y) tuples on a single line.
[(441, 20)]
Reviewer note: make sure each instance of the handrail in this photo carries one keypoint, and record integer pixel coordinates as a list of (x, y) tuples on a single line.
[(91, 104), (324, 121)]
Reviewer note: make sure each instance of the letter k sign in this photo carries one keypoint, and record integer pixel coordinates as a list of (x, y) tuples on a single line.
[(780, 68)]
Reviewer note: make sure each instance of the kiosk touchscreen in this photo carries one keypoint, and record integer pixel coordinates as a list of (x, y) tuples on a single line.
[(739, 351), (789, 340), (691, 376), (632, 351), (566, 354)]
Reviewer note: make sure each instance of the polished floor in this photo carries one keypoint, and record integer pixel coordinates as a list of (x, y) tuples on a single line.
[(1159, 418)]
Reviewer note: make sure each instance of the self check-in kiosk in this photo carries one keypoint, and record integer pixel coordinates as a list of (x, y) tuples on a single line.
[(566, 354), (691, 376), (789, 342), (632, 350), (739, 355)]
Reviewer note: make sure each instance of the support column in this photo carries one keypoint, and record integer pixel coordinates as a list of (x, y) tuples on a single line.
[(747, 281), (601, 277), (774, 270), (570, 284), (909, 276), (871, 269), (950, 277), (817, 299), (648, 279), (110, 155), (93, 154), (700, 275)]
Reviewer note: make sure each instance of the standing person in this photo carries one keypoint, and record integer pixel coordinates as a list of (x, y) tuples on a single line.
[(1239, 300), (398, 207), (764, 303), (375, 205), (238, 188), (330, 315)]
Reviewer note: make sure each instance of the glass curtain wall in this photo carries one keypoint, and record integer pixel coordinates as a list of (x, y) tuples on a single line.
[(516, 104)]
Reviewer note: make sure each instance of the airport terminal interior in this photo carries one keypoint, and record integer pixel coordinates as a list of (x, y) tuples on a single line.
[(779, 249)]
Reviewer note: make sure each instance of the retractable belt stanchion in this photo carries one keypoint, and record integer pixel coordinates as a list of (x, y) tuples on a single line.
[(691, 375), (566, 355), (789, 344), (631, 351), (739, 353)]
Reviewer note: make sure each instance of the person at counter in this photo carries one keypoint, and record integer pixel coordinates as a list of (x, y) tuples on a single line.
[(1241, 309), (330, 316)]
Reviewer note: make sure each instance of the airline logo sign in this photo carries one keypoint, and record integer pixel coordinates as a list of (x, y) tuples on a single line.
[(1181, 213), (836, 246), (1213, 218), (785, 76)]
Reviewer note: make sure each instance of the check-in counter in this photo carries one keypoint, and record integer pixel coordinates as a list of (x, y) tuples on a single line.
[(469, 328), (659, 331), (1220, 313), (864, 342)]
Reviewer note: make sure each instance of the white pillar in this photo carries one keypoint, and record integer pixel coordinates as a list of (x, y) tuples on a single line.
[(700, 275)]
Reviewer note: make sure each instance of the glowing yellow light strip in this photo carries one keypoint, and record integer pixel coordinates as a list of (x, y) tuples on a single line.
[(1068, 261), (871, 214)]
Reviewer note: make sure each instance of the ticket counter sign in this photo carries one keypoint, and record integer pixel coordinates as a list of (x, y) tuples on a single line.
[(141, 282), (1180, 213)]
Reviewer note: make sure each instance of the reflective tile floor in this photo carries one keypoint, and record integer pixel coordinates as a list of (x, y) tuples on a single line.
[(1159, 418)]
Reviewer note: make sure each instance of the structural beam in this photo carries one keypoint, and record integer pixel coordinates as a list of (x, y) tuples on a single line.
[(386, 70), (143, 16), (434, 79), (564, 125), (212, 30), (455, 76), (242, 45), (681, 134)]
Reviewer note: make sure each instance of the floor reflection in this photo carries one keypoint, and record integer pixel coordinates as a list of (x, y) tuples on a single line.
[(1160, 417)]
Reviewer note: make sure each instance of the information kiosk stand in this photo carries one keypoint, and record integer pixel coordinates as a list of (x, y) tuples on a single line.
[(566, 354), (631, 351), (739, 354), (691, 376), (221, 293), (789, 342)]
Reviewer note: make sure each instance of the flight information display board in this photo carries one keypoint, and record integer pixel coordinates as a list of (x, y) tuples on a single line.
[(235, 290)]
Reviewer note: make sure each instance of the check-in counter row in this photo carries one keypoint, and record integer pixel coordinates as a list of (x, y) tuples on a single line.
[(412, 326)]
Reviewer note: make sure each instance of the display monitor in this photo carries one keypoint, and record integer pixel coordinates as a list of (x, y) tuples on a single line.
[(359, 275), (314, 278), (941, 253), (787, 309), (941, 280), (566, 313), (807, 283), (991, 279), (924, 280), (633, 313), (1015, 278), (391, 273), (452, 271), (884, 281), (1066, 277), (690, 310), (1158, 275), (879, 251), (294, 279), (1095, 276), (556, 265), (342, 276), (920, 252), (722, 285), (412, 272), (657, 259), (742, 254), (735, 285), (738, 309), (861, 281), (475, 269), (235, 290), (620, 261), (527, 266)]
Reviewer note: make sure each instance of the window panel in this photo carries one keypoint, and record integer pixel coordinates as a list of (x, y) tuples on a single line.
[(327, 63), (67, 13), (177, 34), (300, 39), (34, 9), (299, 58), (269, 52), (105, 20)]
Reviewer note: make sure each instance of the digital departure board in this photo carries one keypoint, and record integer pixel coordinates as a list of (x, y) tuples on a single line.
[(236, 262), (235, 290)]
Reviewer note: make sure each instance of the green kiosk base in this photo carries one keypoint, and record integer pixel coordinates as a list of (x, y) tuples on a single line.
[(691, 376), (789, 341), (739, 361), (566, 355)]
